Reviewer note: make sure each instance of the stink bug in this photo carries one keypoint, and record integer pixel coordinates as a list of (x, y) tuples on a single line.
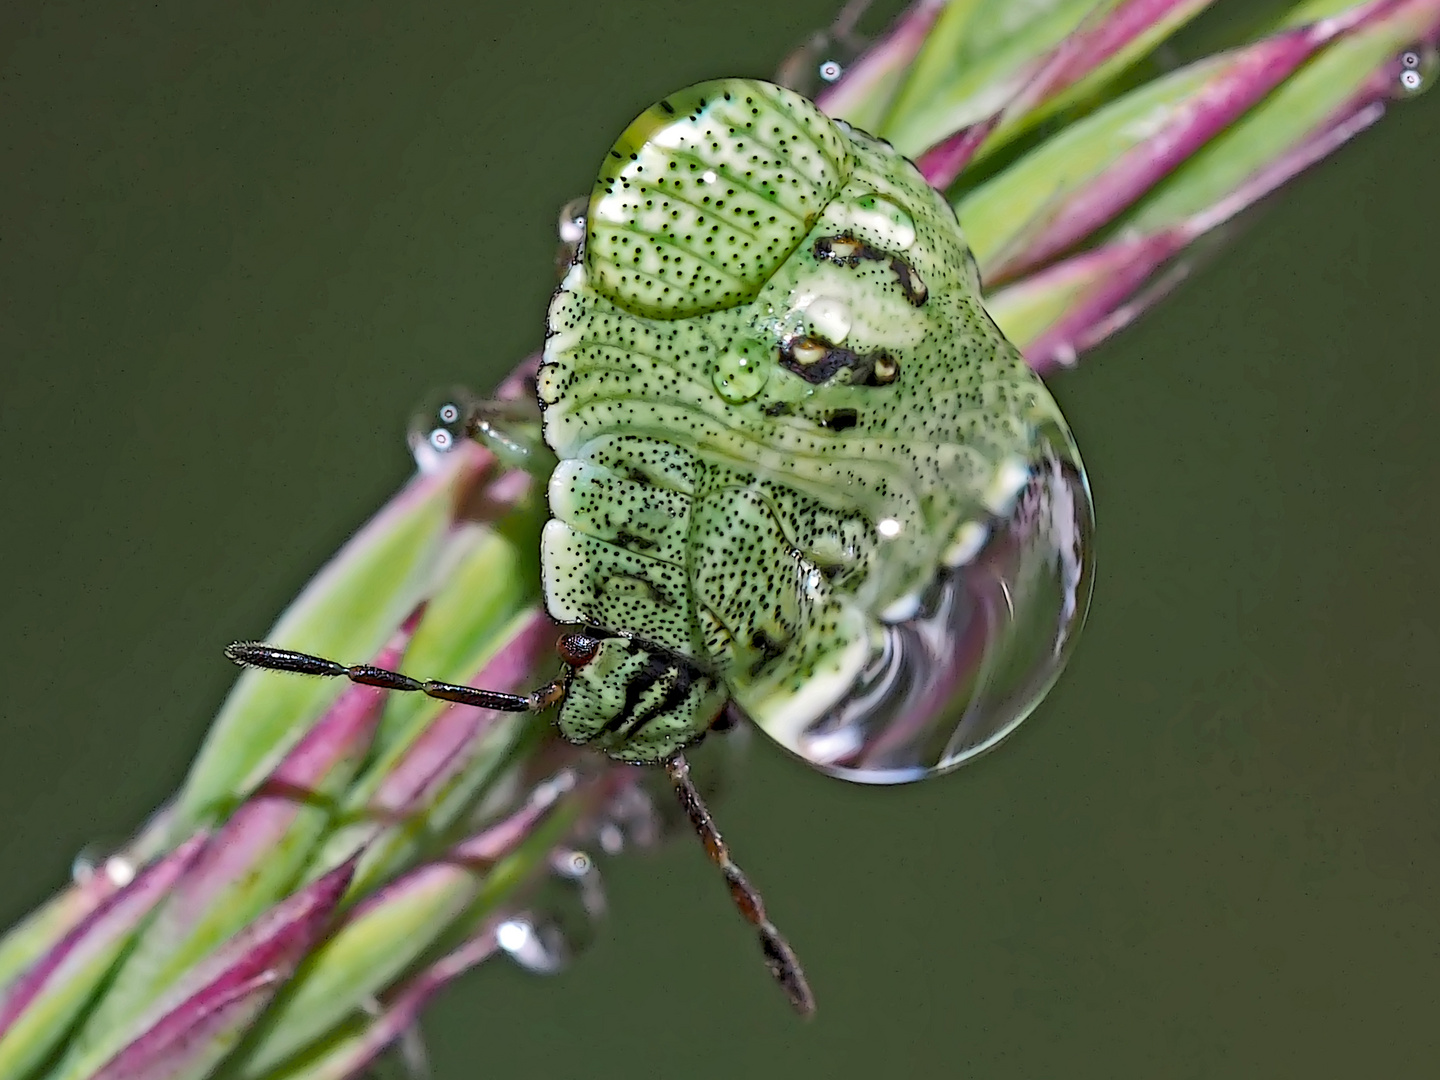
[(793, 467)]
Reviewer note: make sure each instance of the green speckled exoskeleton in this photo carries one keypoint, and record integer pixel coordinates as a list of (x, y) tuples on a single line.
[(800, 471)]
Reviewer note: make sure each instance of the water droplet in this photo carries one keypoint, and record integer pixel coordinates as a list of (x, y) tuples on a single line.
[(560, 922), (742, 370), (97, 859), (578, 867), (628, 820), (1417, 71), (826, 55), (571, 228), (961, 664), (438, 426), (539, 949), (889, 224)]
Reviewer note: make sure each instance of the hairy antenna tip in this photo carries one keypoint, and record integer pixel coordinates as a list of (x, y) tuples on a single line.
[(240, 652)]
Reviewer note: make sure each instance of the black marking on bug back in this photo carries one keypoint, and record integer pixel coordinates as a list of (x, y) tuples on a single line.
[(817, 361), (840, 419), (678, 675), (849, 251)]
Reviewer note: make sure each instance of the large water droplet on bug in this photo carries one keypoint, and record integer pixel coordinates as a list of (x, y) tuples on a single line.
[(438, 426), (560, 922), (973, 655)]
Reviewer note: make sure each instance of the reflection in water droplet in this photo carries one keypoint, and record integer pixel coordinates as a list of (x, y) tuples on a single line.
[(957, 672), (438, 426), (742, 370), (95, 859), (891, 224), (831, 70)]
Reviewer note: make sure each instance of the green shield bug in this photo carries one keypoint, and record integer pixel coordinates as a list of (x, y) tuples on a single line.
[(796, 467)]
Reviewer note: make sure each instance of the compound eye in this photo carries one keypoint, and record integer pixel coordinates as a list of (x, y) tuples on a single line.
[(706, 194)]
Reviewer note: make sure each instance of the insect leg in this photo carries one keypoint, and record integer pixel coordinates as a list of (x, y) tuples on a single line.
[(780, 958), (255, 654)]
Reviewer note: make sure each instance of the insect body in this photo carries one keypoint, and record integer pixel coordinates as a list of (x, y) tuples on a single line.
[(799, 467), (784, 422)]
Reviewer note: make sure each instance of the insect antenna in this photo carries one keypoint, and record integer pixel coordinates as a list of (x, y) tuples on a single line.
[(258, 655), (780, 958)]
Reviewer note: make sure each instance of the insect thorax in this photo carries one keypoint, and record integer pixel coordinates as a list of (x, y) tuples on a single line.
[(779, 406)]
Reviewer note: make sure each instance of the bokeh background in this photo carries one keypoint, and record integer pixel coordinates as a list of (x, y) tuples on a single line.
[(238, 242)]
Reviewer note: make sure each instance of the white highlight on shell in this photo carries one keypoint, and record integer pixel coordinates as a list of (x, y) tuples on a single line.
[(888, 528), (709, 176), (830, 318), (889, 223), (612, 210)]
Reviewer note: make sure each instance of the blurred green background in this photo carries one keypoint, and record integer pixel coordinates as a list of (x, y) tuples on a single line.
[(238, 243)]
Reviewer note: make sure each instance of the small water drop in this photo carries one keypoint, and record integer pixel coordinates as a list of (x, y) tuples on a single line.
[(560, 922), (571, 227), (742, 370), (628, 820), (826, 54), (540, 949), (438, 426), (578, 867), (99, 859), (1417, 71)]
